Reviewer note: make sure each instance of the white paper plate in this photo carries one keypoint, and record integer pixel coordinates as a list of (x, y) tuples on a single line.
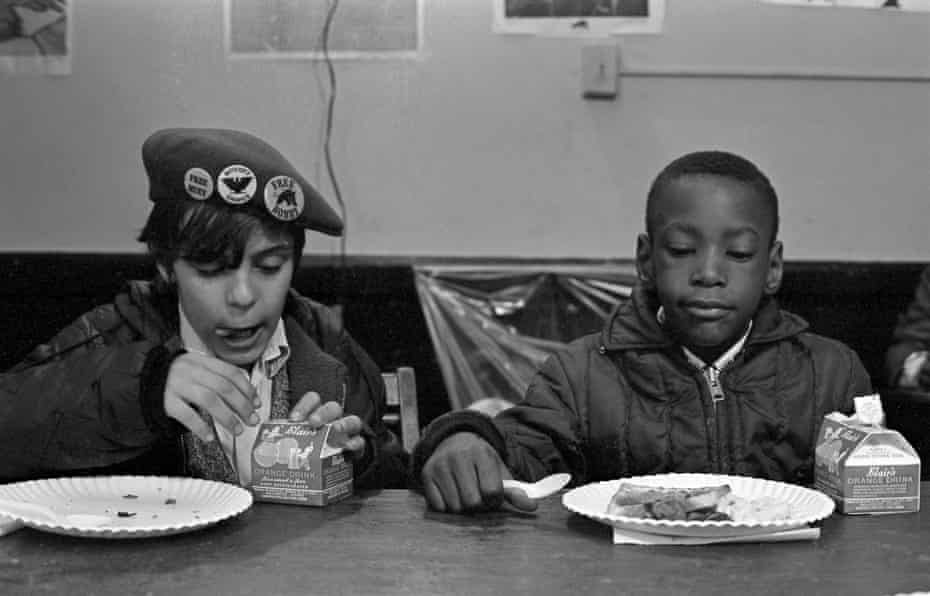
[(807, 506), (137, 506)]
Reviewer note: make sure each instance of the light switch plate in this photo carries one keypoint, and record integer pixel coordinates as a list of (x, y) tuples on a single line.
[(599, 71)]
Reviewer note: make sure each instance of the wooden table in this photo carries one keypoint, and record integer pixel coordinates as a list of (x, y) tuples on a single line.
[(388, 543)]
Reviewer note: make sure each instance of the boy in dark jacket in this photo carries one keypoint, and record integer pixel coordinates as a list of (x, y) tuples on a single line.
[(699, 372), (176, 374)]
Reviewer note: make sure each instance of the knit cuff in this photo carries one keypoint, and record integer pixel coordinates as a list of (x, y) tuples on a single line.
[(468, 421), (152, 383)]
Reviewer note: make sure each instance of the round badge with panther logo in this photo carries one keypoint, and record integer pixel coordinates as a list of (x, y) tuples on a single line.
[(198, 184), (236, 184), (284, 198)]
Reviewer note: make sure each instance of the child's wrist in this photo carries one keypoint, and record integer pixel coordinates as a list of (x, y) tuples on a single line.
[(152, 381)]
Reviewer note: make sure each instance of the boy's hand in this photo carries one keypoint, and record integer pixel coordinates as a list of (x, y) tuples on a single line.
[(200, 382), (465, 473), (346, 430)]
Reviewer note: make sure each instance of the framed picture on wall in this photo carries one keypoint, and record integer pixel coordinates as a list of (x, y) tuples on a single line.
[(35, 37), (578, 18), (314, 29)]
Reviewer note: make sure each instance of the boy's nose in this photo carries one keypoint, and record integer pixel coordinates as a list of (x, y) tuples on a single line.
[(710, 272), (240, 293)]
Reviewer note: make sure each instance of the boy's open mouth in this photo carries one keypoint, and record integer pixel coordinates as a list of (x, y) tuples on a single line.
[(237, 335)]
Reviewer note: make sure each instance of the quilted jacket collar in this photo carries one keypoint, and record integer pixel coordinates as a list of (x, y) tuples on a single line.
[(633, 324)]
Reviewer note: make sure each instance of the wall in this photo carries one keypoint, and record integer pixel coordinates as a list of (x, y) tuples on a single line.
[(483, 146)]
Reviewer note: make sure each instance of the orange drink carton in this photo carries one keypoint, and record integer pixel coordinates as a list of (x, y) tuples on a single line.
[(866, 468), (292, 463)]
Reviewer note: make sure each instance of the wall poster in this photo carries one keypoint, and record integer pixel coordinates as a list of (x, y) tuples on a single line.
[(35, 37), (578, 18), (295, 28)]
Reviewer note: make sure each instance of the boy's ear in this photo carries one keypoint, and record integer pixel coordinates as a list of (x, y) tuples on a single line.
[(776, 269), (644, 268)]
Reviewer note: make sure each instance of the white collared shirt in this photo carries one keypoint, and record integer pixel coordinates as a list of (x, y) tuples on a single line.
[(724, 359), (712, 371), (239, 448)]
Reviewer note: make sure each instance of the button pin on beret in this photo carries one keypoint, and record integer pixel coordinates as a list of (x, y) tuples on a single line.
[(236, 169)]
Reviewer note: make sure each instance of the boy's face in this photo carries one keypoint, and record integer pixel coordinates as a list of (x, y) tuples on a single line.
[(234, 308), (711, 259)]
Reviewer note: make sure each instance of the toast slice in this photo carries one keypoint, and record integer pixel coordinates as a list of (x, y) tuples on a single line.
[(632, 500)]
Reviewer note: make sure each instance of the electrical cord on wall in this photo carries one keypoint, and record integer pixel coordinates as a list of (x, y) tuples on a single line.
[(327, 153)]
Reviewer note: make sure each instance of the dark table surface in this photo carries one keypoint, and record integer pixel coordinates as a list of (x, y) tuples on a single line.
[(388, 543)]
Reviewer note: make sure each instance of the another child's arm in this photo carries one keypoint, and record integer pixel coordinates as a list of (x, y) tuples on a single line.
[(911, 340), (465, 473), (454, 463)]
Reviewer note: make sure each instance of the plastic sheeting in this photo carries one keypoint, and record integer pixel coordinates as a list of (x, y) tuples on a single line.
[(493, 327)]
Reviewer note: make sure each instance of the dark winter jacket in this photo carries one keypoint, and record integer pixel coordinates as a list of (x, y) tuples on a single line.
[(626, 402), (91, 400)]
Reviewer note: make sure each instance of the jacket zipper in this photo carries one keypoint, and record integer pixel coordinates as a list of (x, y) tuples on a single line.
[(712, 376), (713, 382)]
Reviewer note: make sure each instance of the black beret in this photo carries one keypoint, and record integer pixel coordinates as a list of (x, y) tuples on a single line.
[(236, 169)]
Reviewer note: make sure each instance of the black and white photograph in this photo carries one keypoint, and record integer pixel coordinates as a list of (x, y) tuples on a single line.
[(465, 297)]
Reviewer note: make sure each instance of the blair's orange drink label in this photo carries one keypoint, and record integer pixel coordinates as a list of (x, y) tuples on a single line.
[(294, 464)]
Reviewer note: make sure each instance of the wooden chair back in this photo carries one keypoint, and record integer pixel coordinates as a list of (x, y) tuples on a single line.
[(402, 414)]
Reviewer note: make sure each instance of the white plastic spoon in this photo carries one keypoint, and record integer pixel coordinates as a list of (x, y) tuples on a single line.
[(21, 509), (543, 487)]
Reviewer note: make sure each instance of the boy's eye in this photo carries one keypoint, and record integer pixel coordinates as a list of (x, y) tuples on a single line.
[(741, 255), (680, 251), (271, 266), (210, 268)]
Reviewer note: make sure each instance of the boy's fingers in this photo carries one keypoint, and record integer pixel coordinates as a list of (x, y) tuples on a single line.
[(180, 411), (225, 389), (465, 475), (350, 425), (356, 445), (217, 405), (518, 499), (327, 412), (433, 495), (448, 488), (306, 406), (489, 471), (237, 379)]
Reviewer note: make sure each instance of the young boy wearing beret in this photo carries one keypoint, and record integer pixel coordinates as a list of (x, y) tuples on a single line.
[(175, 375), (699, 372)]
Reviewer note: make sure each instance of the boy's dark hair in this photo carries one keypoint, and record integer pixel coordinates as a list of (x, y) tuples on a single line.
[(204, 232), (712, 163)]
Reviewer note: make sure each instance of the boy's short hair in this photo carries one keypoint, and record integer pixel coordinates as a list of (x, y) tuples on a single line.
[(204, 232), (713, 163)]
